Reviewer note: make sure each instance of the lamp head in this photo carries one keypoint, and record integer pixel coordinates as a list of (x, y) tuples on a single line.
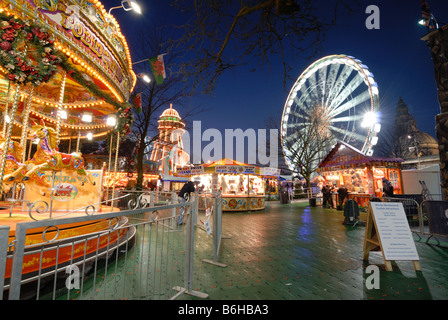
[(131, 5)]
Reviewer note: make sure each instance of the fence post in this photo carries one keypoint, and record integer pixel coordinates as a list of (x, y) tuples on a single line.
[(189, 254), (196, 208), (217, 231), (17, 262), (151, 199), (173, 210), (4, 236)]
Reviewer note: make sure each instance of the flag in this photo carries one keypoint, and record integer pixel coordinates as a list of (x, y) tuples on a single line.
[(137, 102), (426, 13), (158, 68)]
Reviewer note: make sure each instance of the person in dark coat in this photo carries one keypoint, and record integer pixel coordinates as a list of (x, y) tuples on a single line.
[(342, 194), (388, 188), (326, 196), (183, 196)]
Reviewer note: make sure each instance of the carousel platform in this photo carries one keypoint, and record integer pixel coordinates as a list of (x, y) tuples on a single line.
[(76, 243)]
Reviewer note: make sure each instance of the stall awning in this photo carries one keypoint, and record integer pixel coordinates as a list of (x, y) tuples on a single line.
[(230, 166), (344, 155)]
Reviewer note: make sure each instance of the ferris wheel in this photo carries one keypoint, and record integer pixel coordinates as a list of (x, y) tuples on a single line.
[(340, 95)]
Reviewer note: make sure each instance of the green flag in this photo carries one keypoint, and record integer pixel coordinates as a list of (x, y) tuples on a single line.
[(158, 68)]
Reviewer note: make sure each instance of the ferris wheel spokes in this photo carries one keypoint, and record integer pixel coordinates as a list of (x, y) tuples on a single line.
[(354, 117), (331, 82), (352, 134), (356, 101), (345, 93), (340, 82)]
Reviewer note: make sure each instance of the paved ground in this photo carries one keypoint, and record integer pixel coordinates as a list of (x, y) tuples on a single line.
[(294, 252)]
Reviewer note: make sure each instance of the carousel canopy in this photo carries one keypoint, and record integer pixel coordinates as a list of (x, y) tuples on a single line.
[(74, 63)]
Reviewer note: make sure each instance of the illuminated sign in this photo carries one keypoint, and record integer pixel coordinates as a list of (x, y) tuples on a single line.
[(81, 32)]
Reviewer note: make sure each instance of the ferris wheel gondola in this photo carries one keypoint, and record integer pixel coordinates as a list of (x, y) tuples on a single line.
[(339, 93)]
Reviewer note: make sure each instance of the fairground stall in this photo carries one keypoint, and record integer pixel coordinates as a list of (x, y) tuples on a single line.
[(362, 175), (242, 185), (271, 178), (65, 78)]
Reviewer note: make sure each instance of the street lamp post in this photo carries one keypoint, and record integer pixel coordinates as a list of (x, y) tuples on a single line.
[(415, 145), (128, 5)]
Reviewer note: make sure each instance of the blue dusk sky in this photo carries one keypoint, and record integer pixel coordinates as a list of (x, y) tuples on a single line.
[(399, 60)]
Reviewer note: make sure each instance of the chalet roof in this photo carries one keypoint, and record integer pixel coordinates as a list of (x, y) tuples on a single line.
[(358, 157)]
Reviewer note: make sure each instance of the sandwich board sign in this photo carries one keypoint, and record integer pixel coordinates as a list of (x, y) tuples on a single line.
[(387, 230)]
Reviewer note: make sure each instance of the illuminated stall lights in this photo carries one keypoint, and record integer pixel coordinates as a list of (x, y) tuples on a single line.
[(68, 126), (90, 70), (45, 102), (87, 117), (111, 121), (63, 114)]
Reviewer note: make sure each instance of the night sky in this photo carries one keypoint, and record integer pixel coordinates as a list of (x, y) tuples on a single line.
[(399, 60)]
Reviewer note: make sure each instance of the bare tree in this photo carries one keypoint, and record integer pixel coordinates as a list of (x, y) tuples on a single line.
[(155, 97), (222, 34), (304, 147)]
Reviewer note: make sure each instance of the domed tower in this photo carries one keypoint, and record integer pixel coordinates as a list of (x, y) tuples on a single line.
[(404, 122), (171, 128), (411, 142)]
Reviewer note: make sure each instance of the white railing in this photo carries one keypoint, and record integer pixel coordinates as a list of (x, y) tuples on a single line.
[(140, 254)]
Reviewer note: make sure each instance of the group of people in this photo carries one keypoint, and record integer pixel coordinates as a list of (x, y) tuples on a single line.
[(327, 191)]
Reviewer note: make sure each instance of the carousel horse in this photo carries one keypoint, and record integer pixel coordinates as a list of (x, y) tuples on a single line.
[(14, 152), (47, 157)]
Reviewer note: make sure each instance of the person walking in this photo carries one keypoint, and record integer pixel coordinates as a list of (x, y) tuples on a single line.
[(183, 196), (388, 188), (290, 192)]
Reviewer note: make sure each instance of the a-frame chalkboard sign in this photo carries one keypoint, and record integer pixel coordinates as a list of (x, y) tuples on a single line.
[(387, 230)]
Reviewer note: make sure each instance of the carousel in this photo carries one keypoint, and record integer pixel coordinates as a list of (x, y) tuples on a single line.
[(65, 78)]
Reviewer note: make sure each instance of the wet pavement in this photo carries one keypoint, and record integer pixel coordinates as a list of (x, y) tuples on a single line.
[(294, 252)]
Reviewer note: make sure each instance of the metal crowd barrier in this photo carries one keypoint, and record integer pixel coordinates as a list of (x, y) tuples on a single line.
[(434, 219), (425, 217), (138, 255), (410, 205), (213, 212), (143, 198)]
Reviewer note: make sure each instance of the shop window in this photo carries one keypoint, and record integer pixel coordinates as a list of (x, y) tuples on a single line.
[(393, 178)]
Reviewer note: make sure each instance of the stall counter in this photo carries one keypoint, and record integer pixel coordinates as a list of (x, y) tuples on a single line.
[(237, 203)]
